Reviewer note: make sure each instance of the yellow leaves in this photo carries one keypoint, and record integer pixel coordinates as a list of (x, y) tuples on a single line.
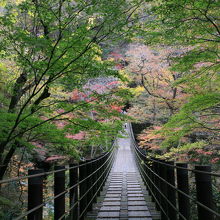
[(90, 23), (26, 32), (58, 91), (3, 67), (97, 58), (8, 67), (2, 3), (96, 49), (138, 90), (91, 20), (17, 2), (30, 13), (124, 75), (110, 59), (15, 13), (182, 153)]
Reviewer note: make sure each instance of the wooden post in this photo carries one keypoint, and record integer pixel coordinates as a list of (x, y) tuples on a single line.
[(107, 164), (171, 192), (89, 184), (59, 187), (35, 195), (95, 166), (74, 179), (204, 192), (183, 185), (82, 188), (156, 184), (143, 158), (99, 164), (102, 170), (152, 177), (146, 176), (163, 188)]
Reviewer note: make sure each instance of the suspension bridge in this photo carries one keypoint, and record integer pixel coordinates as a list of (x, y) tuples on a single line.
[(123, 183)]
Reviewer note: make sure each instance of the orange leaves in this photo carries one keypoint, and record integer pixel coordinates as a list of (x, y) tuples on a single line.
[(77, 96), (150, 139), (116, 55), (116, 108), (119, 66)]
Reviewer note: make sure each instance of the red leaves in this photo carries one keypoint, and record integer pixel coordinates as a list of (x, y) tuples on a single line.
[(77, 96), (119, 66), (149, 139), (116, 56), (116, 108), (61, 124), (215, 160)]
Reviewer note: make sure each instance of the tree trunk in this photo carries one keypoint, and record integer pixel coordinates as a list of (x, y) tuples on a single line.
[(2, 148), (17, 91), (7, 159), (45, 94)]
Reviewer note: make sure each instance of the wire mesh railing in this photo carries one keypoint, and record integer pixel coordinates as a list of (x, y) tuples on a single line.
[(169, 184), (85, 181)]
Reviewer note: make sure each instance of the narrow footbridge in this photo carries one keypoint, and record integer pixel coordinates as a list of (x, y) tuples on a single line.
[(124, 195), (124, 183)]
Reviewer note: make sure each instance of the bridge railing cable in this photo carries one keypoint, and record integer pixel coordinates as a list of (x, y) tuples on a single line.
[(86, 180), (169, 185)]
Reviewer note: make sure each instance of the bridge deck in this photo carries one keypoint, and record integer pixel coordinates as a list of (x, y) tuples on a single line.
[(124, 195)]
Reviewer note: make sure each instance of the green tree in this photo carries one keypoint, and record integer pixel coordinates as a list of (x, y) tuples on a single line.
[(53, 44), (193, 25)]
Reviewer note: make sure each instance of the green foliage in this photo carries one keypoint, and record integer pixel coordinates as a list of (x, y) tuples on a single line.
[(185, 149), (189, 60), (188, 22), (5, 202), (195, 104), (188, 118), (51, 48), (189, 146), (53, 136), (192, 25)]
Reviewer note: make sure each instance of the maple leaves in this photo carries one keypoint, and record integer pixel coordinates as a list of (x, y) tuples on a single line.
[(164, 95), (116, 108), (119, 59), (150, 69), (77, 96), (149, 139), (52, 59), (105, 105)]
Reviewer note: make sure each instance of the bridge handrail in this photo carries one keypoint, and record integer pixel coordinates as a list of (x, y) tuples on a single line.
[(94, 180), (191, 198), (74, 186), (143, 165), (4, 181), (169, 165)]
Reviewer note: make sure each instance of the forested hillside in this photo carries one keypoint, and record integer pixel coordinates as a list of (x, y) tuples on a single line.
[(176, 64), (49, 50), (70, 69)]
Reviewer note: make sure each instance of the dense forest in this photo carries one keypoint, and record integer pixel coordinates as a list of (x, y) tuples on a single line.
[(69, 70)]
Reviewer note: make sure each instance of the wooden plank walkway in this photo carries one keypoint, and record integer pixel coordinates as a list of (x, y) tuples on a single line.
[(124, 195)]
